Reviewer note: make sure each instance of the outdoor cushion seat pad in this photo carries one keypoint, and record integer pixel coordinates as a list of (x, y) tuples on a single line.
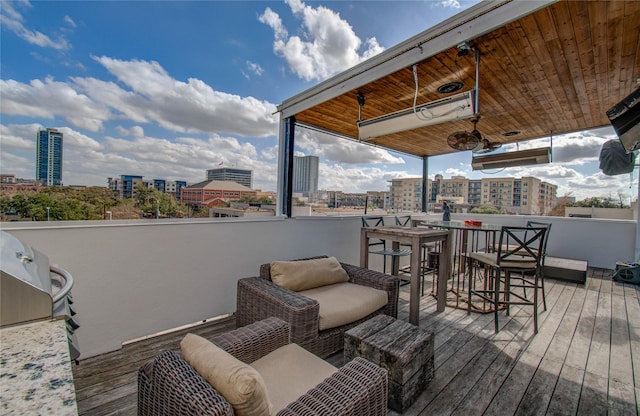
[(343, 303), (289, 372), (514, 262), (239, 383)]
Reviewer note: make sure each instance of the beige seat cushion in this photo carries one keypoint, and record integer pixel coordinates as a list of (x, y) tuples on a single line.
[(307, 274), (515, 261), (240, 384), (289, 372), (343, 303)]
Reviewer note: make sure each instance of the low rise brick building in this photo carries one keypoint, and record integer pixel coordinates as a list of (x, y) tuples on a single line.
[(214, 193)]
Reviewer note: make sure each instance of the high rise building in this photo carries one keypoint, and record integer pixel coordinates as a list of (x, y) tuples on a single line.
[(305, 174), (242, 176), (49, 157)]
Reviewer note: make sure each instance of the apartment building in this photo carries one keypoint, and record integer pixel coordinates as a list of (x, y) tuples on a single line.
[(527, 195), (405, 195), (455, 188), (167, 187), (125, 186)]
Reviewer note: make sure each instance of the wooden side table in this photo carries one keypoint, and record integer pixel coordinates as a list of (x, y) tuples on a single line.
[(403, 349)]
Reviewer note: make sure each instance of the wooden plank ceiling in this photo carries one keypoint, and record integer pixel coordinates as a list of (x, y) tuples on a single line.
[(557, 70)]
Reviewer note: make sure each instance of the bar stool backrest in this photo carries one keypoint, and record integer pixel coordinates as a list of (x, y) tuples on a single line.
[(403, 220), (374, 222), (521, 247), (543, 251)]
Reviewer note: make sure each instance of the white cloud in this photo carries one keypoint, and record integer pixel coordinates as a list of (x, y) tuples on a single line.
[(79, 140), (135, 131), (450, 4), (49, 99), (13, 21), (18, 137), (272, 19), (154, 96), (184, 107), (356, 179), (270, 153), (341, 150), (326, 46), (68, 20), (450, 172), (255, 68)]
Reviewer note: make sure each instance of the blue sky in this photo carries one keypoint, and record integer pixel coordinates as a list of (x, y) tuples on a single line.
[(169, 89)]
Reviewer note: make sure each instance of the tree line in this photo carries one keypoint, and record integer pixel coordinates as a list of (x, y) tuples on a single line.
[(64, 203)]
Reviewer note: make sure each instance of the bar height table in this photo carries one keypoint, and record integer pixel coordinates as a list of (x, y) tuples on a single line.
[(415, 237), (466, 239)]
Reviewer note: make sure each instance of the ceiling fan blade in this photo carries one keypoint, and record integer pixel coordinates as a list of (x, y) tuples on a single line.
[(485, 146), (462, 140)]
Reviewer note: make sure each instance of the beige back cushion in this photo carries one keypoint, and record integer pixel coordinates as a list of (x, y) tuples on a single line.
[(240, 384), (307, 274), (290, 372)]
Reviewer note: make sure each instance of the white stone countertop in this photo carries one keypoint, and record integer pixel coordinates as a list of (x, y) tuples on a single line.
[(35, 370)]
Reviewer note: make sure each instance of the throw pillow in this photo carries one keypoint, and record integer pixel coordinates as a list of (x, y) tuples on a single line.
[(307, 274), (240, 384)]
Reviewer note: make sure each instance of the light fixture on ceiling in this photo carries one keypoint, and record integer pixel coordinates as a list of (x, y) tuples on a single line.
[(463, 48), (512, 159), (456, 107)]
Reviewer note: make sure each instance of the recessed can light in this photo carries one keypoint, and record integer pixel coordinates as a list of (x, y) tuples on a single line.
[(511, 133), (450, 87)]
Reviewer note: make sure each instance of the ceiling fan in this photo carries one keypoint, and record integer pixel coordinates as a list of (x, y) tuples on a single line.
[(463, 140), (485, 146)]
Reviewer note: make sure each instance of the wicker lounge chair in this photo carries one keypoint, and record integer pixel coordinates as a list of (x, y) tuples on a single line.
[(259, 298), (168, 385)]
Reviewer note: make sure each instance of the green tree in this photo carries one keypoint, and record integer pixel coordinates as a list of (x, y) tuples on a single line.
[(486, 209), (152, 201), (90, 203), (597, 202)]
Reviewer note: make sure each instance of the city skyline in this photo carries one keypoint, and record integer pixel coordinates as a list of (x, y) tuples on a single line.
[(200, 87)]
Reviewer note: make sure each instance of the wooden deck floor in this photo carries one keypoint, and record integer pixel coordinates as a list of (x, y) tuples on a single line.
[(584, 360)]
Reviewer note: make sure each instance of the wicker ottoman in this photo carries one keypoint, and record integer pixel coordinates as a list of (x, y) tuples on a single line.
[(403, 349)]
